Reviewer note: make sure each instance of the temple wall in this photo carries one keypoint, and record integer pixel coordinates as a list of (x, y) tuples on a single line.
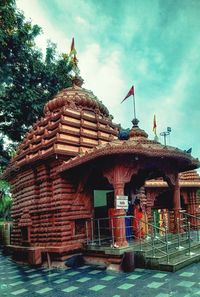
[(57, 211), (23, 191), (52, 208)]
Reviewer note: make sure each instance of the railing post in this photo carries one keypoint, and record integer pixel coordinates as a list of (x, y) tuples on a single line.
[(112, 232), (147, 237), (179, 247), (189, 242), (188, 225), (86, 227), (166, 241), (153, 243), (99, 235), (198, 231), (92, 229), (140, 235), (154, 223), (189, 237), (197, 227)]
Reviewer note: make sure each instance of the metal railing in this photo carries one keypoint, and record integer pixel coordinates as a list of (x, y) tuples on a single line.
[(194, 223), (101, 233), (190, 225)]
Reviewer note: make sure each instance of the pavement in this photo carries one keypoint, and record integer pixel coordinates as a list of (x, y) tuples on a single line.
[(87, 281)]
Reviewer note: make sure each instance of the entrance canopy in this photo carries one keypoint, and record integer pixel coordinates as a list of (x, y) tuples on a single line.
[(138, 151)]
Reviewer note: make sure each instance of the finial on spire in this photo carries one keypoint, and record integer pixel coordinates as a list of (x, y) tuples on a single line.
[(135, 122), (75, 76), (77, 81), (73, 59)]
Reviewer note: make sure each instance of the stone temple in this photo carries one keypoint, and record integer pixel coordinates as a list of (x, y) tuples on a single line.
[(71, 167)]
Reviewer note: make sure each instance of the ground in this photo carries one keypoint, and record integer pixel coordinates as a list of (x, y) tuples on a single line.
[(85, 281)]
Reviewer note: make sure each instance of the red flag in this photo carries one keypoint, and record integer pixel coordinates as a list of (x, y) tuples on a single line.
[(131, 92), (154, 124)]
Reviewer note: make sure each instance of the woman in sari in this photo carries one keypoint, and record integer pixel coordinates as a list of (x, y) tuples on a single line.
[(138, 231)]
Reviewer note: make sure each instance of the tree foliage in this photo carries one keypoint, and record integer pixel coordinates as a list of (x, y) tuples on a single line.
[(27, 80), (5, 201)]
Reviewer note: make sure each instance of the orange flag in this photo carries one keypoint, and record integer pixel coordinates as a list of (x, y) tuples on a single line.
[(73, 50)]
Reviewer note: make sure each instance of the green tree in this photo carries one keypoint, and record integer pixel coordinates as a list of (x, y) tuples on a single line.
[(5, 201), (4, 156), (27, 81)]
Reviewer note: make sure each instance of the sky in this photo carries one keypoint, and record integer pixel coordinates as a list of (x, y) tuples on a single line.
[(151, 44)]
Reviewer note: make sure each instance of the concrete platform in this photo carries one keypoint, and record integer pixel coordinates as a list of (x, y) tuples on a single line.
[(87, 281)]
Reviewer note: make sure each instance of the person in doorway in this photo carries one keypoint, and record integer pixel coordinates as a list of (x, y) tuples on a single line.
[(138, 231)]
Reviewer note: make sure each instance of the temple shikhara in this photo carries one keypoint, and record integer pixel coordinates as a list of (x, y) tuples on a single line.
[(73, 179)]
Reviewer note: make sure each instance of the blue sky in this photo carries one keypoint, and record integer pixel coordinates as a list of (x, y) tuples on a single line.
[(152, 44)]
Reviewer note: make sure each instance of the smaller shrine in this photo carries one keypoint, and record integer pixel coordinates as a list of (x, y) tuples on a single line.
[(157, 190)]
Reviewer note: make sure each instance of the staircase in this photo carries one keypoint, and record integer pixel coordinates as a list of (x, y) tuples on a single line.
[(181, 253), (166, 252)]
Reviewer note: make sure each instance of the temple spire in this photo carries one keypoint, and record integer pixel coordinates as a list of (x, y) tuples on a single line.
[(73, 59), (76, 78)]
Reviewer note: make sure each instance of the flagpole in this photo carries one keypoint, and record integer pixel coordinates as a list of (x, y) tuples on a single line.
[(134, 106), (132, 92)]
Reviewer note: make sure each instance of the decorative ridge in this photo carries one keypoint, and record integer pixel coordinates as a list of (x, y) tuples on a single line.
[(118, 147)]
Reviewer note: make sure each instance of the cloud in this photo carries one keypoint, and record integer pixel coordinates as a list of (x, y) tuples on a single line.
[(103, 76), (80, 20), (38, 16), (151, 44)]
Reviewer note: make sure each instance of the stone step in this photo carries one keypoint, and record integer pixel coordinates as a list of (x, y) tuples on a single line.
[(172, 250), (146, 247), (180, 262), (177, 259)]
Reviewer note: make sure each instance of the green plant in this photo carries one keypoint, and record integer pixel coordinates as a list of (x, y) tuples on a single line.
[(5, 201)]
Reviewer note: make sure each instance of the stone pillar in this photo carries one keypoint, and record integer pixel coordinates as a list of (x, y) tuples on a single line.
[(118, 223), (176, 194), (118, 191), (118, 175), (193, 208), (176, 203), (150, 202), (173, 182)]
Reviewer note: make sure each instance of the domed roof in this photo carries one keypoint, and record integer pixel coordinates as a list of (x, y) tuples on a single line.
[(75, 97), (74, 121)]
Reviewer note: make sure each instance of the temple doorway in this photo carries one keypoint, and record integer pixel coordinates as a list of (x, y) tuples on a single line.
[(103, 201), (160, 212), (164, 200)]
